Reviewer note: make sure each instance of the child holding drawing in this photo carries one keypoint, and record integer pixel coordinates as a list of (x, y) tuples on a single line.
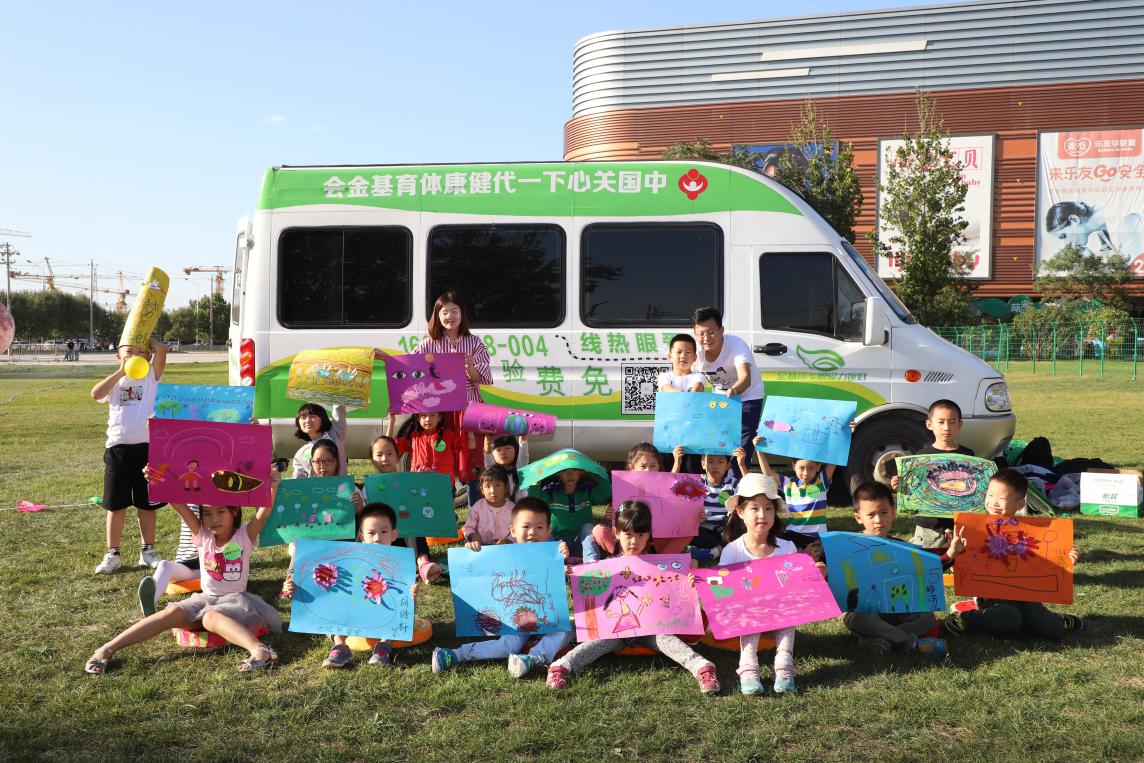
[(312, 424), (752, 532), (804, 493), (130, 403), (490, 518), (1006, 498), (384, 456), (223, 606), (633, 532), (510, 454), (681, 353), (720, 482), (531, 519)]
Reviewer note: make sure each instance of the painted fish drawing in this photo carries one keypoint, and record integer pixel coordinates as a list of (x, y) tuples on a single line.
[(233, 482)]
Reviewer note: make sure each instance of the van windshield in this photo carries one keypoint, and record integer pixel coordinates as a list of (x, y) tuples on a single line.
[(883, 290)]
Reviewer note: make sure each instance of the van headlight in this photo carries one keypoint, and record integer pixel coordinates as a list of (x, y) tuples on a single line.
[(997, 397)]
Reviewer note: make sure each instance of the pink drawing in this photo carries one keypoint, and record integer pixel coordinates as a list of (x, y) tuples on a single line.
[(494, 420), (637, 595), (375, 587), (232, 462), (426, 383), (764, 595), (676, 500), (778, 426), (326, 575)]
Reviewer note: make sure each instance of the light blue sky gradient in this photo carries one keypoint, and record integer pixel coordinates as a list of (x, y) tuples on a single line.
[(135, 134)]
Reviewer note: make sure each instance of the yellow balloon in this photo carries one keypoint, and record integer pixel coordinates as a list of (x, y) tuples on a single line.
[(136, 367)]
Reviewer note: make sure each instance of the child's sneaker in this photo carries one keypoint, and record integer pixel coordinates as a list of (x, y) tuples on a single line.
[(1073, 623), (934, 647), (520, 665), (965, 605), (147, 596), (382, 655), (111, 562), (149, 557), (557, 678), (443, 659), (955, 624), (877, 645), (340, 657), (429, 572), (784, 683), (708, 680), (749, 683)]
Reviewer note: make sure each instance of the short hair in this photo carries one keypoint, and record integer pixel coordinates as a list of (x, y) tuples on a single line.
[(378, 510), (534, 504), (1058, 215), (704, 314), (872, 491), (384, 438), (1012, 479), (642, 447), (316, 410), (435, 328), (943, 403), (329, 445), (632, 517), (494, 473), (507, 440), (685, 338)]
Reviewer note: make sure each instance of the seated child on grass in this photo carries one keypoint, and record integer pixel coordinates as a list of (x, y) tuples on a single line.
[(385, 457), (1006, 498), (720, 482), (510, 454), (633, 532), (530, 524), (881, 632), (568, 494), (490, 518)]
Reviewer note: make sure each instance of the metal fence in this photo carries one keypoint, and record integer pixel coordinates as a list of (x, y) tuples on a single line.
[(1080, 347)]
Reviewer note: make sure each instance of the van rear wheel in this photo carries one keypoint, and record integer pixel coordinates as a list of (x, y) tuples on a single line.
[(876, 438)]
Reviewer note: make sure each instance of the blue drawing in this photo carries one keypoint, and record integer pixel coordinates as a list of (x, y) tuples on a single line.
[(871, 574), (803, 427), (353, 589), (197, 402), (513, 589), (702, 422)]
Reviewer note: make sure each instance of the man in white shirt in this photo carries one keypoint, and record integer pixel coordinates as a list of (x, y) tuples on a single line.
[(729, 364)]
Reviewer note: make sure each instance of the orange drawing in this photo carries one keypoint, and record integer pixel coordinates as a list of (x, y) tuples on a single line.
[(1015, 558)]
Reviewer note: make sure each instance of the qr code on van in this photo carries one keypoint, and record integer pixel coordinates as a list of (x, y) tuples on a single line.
[(639, 384)]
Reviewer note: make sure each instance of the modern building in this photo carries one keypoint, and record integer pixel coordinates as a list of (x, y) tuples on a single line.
[(1044, 100)]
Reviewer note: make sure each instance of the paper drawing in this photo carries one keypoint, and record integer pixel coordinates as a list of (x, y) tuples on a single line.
[(1015, 558), (201, 402), (516, 588), (316, 507), (209, 462), (803, 427), (702, 422), (676, 500), (496, 420), (332, 376), (938, 485), (630, 596), (872, 574), (764, 595), (423, 502), (426, 383), (353, 589)]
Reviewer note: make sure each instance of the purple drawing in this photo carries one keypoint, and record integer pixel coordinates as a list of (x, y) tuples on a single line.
[(494, 420), (426, 383)]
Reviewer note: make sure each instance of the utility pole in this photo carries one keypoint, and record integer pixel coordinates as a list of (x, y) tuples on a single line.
[(91, 311), (7, 253)]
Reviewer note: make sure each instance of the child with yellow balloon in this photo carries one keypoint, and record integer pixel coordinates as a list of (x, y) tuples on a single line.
[(130, 395)]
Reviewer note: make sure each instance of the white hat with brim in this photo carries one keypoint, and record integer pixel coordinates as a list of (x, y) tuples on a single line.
[(751, 485)]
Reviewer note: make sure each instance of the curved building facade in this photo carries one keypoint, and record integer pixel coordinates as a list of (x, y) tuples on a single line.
[(1044, 100)]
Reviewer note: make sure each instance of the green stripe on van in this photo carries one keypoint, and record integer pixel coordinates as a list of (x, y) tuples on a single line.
[(587, 189)]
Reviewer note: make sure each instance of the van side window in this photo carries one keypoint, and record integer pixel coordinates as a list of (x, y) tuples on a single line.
[(508, 275), (345, 277), (649, 274), (810, 292)]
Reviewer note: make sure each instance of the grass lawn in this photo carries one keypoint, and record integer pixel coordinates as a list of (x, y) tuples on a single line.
[(992, 699)]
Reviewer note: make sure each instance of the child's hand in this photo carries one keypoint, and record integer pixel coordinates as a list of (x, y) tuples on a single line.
[(358, 502), (473, 543), (564, 549), (413, 589), (1074, 555), (157, 344), (702, 513), (523, 437), (691, 578), (151, 475), (853, 425), (821, 568), (894, 483), (678, 453), (378, 354), (738, 453), (756, 441), (957, 542)]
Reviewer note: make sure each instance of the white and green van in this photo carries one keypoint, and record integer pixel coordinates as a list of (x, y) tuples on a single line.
[(576, 275)]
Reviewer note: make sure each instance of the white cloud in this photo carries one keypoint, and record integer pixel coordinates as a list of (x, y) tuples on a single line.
[(275, 119)]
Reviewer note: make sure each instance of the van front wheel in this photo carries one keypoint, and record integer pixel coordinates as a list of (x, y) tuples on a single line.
[(875, 438)]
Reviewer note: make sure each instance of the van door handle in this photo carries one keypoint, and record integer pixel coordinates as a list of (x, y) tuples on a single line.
[(771, 348)]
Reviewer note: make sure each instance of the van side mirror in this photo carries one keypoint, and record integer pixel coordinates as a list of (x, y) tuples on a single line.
[(874, 330)]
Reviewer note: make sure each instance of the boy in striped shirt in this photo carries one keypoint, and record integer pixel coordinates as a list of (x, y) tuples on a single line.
[(805, 493), (720, 482)]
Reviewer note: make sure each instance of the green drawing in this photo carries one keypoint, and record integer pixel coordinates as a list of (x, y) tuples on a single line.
[(820, 360)]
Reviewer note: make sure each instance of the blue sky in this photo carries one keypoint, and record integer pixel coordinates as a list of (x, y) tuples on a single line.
[(136, 134)]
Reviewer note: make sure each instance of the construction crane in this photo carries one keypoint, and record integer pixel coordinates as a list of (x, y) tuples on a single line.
[(49, 283), (219, 282)]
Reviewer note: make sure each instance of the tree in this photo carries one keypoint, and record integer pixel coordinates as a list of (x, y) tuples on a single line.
[(700, 150), (826, 182), (1074, 273), (920, 222)]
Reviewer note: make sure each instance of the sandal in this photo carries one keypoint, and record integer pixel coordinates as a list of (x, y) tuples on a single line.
[(253, 663), (97, 666)]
